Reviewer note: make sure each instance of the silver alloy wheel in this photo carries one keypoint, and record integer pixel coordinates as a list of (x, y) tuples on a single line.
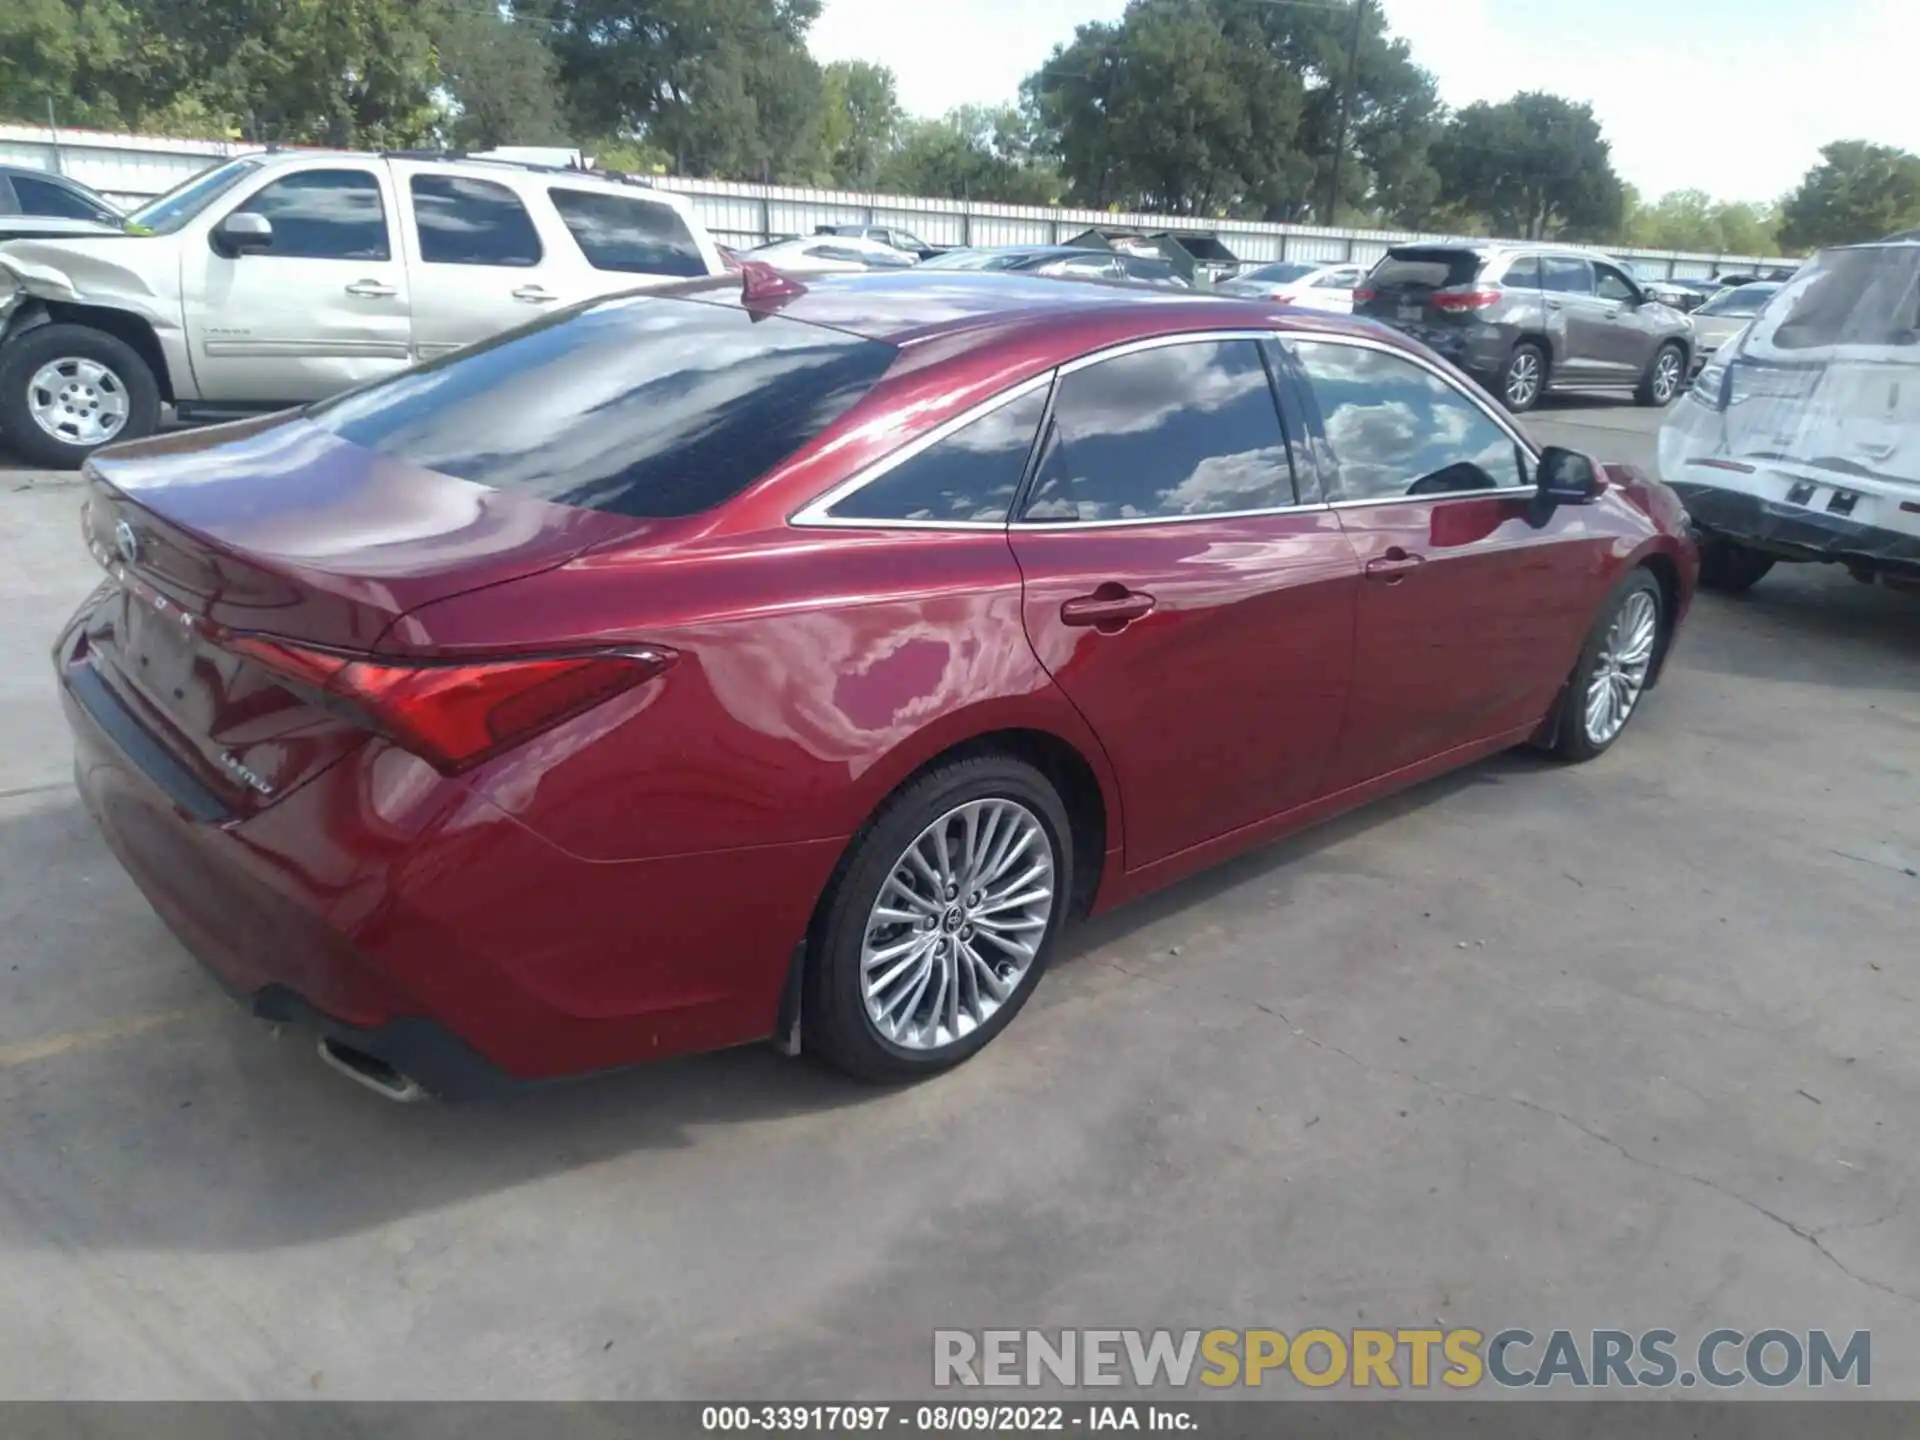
[(78, 401), (1523, 378), (958, 922), (1620, 669), (1666, 376)]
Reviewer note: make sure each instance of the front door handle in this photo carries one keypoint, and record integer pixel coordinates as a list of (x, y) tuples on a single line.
[(371, 290), (1553, 304), (1393, 565), (1110, 608), (535, 295)]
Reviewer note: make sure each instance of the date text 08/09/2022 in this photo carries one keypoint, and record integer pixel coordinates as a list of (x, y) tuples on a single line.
[(941, 1419)]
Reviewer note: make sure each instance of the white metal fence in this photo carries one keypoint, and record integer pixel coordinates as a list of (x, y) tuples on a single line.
[(131, 168)]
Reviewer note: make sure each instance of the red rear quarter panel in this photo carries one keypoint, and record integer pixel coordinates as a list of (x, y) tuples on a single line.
[(817, 669)]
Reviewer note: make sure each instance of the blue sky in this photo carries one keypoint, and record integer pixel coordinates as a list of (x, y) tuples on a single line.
[(1734, 97)]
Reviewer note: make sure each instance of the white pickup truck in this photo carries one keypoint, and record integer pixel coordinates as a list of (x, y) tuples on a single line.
[(283, 278)]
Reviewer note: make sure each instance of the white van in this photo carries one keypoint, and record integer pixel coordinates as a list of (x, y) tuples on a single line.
[(1800, 440), (284, 278)]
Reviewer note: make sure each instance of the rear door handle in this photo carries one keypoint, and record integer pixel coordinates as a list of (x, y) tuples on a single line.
[(371, 289), (534, 295), (1110, 608), (1553, 305), (1393, 565)]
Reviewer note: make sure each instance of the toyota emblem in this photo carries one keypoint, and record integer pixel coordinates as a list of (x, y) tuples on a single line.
[(126, 544)]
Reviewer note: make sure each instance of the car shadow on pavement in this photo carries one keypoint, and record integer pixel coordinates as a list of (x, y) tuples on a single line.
[(1813, 624), (209, 1132)]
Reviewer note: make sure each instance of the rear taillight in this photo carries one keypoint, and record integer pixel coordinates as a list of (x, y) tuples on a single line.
[(1459, 302), (456, 715), (1363, 293)]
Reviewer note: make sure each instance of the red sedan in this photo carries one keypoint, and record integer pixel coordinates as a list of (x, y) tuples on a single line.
[(762, 660)]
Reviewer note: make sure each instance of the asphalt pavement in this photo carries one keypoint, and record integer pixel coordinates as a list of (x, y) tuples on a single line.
[(1631, 1044)]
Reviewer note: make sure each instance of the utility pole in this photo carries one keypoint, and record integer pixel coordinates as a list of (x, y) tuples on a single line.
[(1346, 107)]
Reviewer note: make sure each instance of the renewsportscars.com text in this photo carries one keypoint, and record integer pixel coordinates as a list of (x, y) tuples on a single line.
[(1410, 1359)]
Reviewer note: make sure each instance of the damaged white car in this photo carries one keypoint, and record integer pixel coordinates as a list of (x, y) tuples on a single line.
[(1800, 440)]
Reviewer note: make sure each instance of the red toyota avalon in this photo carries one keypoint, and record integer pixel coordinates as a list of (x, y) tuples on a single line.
[(757, 659)]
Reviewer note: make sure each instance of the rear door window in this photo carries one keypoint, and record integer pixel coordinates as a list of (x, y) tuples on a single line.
[(641, 406), (628, 234), (1566, 275), (472, 222), (1417, 268), (1174, 431)]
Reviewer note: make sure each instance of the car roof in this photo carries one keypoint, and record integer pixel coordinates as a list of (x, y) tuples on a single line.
[(919, 305), (611, 180)]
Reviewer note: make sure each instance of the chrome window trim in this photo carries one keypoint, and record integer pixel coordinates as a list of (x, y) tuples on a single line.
[(814, 514), (1504, 422), (1024, 527)]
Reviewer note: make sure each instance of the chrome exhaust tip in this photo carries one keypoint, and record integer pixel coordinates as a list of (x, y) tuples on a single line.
[(371, 1071)]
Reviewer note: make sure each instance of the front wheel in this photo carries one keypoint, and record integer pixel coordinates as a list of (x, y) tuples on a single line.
[(1666, 372), (939, 921), (66, 390), (1612, 672)]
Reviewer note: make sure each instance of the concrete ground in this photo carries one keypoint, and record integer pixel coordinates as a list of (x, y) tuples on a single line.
[(1632, 1044)]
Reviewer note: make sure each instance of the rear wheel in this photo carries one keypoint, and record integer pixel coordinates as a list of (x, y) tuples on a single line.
[(1613, 670), (940, 920), (1665, 374), (66, 390), (1524, 378), (1730, 568)]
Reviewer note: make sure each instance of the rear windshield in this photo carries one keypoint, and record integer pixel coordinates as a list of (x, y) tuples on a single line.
[(1427, 268), (642, 406), (1869, 296)]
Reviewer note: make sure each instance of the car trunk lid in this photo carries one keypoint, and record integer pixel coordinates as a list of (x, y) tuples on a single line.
[(279, 529)]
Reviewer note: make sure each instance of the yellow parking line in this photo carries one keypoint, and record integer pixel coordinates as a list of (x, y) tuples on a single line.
[(25, 1052)]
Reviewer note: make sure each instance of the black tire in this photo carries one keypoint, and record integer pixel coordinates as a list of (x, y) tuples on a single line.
[(1529, 358), (27, 354), (1730, 568), (1665, 377), (834, 1020), (1573, 742)]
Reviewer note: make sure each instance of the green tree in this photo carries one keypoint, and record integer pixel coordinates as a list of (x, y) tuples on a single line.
[(502, 79), (1536, 166), (860, 121), (1164, 110), (975, 152), (1393, 118), (725, 87), (1858, 191)]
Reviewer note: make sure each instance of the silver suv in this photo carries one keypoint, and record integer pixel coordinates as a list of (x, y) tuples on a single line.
[(284, 278), (1528, 319)]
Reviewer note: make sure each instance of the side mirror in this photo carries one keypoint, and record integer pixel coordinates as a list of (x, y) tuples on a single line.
[(1566, 477), (243, 231)]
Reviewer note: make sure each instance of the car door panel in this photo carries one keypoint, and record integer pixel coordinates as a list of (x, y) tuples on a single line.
[(1196, 612), (325, 307), (1632, 333), (1470, 588), (480, 263), (1222, 704)]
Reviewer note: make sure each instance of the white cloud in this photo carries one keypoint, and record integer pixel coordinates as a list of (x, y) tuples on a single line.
[(1708, 101)]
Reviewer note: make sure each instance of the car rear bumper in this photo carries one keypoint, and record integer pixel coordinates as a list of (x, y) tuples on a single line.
[(447, 940), (1794, 531)]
